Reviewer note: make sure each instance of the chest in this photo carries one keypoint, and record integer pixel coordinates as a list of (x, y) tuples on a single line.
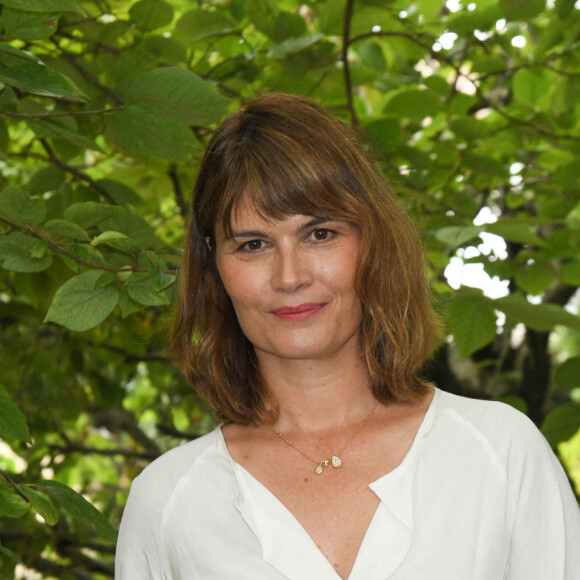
[(335, 508)]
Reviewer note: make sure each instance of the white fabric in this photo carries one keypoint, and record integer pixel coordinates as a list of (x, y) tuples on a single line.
[(479, 496)]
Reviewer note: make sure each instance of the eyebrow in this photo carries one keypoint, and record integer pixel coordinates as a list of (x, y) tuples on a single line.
[(235, 234)]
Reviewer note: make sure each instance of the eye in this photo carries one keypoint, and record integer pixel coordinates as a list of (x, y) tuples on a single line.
[(252, 246), (320, 234)]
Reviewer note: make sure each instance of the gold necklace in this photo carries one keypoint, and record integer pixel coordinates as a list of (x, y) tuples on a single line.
[(335, 460)]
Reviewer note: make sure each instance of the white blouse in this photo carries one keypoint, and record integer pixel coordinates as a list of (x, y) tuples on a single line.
[(479, 496)]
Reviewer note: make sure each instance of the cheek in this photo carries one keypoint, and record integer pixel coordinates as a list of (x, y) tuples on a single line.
[(339, 272), (242, 288)]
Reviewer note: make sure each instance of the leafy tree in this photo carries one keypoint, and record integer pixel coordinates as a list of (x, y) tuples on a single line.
[(105, 107)]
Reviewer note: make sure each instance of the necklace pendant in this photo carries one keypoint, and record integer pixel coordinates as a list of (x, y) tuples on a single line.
[(318, 469), (336, 461)]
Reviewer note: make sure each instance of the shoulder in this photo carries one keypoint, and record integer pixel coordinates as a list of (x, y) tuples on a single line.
[(140, 547), (489, 417), (493, 427), (156, 483)]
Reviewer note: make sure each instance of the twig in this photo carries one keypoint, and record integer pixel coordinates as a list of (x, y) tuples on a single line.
[(344, 58), (73, 448), (74, 171), (177, 189), (130, 357), (60, 113)]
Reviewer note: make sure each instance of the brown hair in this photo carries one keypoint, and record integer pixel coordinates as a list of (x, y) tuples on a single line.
[(290, 156)]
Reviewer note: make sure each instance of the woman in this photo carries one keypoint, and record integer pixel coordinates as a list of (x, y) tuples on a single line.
[(304, 318)]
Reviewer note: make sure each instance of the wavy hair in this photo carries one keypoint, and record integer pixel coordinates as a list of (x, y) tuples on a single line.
[(291, 156)]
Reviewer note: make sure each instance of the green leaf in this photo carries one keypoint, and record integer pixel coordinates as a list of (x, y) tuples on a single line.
[(10, 554), (45, 5), (164, 49), (455, 236), (40, 503), (12, 422), (472, 322), (18, 208), (386, 133), (10, 55), (108, 237), (530, 85), (264, 16), (541, 317), (66, 229), (127, 221), (160, 280), (469, 128), (120, 193), (515, 402), (56, 128), (486, 165), (47, 178), (29, 25), (573, 218), (80, 509), (106, 279), (89, 213), (486, 63), (569, 273), (39, 79), (567, 374), (521, 10), (561, 424), (143, 133), (151, 14), (16, 254), (515, 231), (413, 103), (128, 306), (85, 254), (140, 289), (11, 504), (80, 304), (291, 46), (197, 24), (467, 22), (39, 249), (536, 277), (179, 96)]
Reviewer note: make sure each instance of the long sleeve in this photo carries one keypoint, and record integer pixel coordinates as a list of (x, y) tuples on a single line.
[(545, 538), (138, 554)]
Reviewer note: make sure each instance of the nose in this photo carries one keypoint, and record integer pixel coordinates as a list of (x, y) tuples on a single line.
[(291, 270)]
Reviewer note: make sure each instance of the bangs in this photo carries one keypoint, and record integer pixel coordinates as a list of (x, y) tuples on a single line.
[(281, 181)]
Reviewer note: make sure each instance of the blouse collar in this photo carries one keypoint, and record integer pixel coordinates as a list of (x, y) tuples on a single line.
[(289, 549)]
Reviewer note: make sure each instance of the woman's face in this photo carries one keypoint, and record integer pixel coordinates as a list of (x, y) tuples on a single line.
[(291, 282)]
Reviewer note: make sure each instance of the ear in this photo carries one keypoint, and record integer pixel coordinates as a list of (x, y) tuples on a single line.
[(208, 242)]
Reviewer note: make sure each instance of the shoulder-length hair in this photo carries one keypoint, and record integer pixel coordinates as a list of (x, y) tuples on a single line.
[(290, 156)]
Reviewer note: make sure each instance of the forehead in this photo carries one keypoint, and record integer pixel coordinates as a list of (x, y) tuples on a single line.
[(246, 213), (247, 221)]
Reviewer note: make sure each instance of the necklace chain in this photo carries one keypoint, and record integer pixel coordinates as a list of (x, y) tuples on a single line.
[(335, 460)]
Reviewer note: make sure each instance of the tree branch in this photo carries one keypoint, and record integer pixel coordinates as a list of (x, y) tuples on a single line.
[(60, 113), (177, 189), (74, 171), (344, 58), (74, 448)]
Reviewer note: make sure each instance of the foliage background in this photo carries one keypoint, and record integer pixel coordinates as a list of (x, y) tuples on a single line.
[(471, 110)]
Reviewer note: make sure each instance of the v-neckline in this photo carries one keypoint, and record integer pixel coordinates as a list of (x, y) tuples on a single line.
[(286, 544)]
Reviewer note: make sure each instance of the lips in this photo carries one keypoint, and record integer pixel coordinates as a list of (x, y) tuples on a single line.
[(300, 312)]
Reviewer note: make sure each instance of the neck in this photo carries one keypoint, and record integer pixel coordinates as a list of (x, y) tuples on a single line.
[(318, 396)]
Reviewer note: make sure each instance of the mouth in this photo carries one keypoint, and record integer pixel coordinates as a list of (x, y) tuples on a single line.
[(300, 312)]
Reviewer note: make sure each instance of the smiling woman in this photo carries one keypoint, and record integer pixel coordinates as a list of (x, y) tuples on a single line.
[(304, 319), (291, 283), (284, 156)]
